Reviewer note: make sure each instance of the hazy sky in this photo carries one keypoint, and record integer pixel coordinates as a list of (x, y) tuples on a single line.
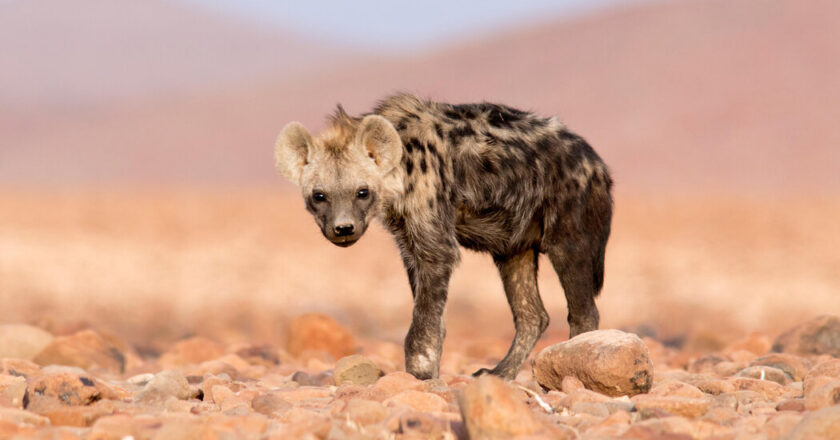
[(394, 23)]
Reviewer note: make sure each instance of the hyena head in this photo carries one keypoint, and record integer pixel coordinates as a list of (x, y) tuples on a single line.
[(344, 173)]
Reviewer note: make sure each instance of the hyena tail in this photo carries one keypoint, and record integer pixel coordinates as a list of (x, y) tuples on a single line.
[(599, 213)]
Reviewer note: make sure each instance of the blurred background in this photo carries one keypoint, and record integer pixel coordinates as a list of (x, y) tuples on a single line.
[(138, 195)]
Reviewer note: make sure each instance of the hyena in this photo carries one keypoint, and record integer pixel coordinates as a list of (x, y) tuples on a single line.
[(484, 176)]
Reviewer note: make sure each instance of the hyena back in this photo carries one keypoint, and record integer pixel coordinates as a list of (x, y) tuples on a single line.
[(484, 176)]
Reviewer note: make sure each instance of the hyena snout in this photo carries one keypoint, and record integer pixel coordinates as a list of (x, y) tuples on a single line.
[(344, 230)]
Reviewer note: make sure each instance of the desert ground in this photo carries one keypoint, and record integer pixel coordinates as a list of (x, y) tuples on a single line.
[(153, 271)]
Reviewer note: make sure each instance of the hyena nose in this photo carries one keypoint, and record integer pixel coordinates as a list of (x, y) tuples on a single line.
[(342, 230)]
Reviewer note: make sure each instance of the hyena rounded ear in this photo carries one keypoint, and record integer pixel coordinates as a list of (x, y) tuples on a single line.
[(381, 142), (291, 151)]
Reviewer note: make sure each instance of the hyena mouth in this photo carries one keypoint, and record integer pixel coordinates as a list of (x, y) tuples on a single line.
[(344, 241)]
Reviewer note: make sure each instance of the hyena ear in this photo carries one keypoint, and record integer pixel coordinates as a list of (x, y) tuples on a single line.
[(381, 142), (292, 150)]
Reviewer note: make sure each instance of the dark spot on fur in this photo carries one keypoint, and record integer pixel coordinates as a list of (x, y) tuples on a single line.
[(439, 130), (410, 144), (458, 133), (409, 166), (451, 113), (410, 188), (488, 166), (423, 166), (433, 150)]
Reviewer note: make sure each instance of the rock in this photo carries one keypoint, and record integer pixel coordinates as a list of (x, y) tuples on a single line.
[(365, 412), (592, 408), (762, 372), (715, 386), (12, 391), (794, 366), (796, 404), (265, 355), (21, 417), (19, 367), (826, 395), (608, 361), (421, 425), (419, 401), (680, 406), (770, 390), (492, 409), (324, 378), (166, 384), (300, 394), (756, 343), (356, 369), (672, 387), (705, 364), (319, 332), (60, 413), (582, 395), (346, 393), (84, 349), (823, 424), (71, 388), (192, 351), (820, 335), (21, 341), (270, 404), (397, 382), (124, 427), (570, 384)]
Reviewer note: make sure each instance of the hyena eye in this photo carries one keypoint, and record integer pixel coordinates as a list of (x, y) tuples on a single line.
[(363, 193), (318, 196)]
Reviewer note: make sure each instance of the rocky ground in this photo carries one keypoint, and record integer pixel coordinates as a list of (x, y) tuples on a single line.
[(227, 315), (324, 382)]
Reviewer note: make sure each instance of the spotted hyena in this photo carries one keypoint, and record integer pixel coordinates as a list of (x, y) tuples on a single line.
[(484, 176)]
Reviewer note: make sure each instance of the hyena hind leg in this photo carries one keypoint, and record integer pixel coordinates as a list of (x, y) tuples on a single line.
[(519, 275), (577, 272)]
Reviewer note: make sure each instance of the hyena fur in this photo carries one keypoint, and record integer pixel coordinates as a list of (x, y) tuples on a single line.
[(484, 176)]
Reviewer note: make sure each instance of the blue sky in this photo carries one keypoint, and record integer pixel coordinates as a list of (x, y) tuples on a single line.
[(392, 24)]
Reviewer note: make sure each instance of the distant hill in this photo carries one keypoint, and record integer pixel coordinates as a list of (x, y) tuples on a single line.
[(72, 54), (707, 95)]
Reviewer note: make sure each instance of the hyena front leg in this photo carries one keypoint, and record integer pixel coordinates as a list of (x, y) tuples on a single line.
[(424, 342), (519, 275)]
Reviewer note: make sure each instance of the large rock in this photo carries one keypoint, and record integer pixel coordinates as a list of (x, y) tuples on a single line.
[(21, 341), (316, 332), (820, 335), (610, 362), (84, 349), (492, 409), (356, 369)]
